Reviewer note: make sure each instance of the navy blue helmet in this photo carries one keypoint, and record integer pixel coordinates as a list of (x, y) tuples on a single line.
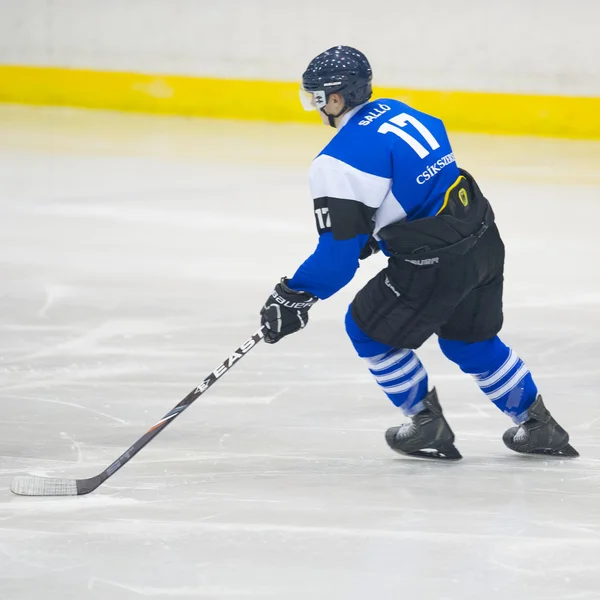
[(341, 69)]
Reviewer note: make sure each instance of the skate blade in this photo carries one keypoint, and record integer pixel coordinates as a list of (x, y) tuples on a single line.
[(567, 452), (445, 453)]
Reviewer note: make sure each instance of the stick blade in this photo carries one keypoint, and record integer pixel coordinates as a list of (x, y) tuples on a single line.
[(31, 485)]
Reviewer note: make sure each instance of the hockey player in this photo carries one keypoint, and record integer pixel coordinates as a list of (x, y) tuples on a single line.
[(388, 181)]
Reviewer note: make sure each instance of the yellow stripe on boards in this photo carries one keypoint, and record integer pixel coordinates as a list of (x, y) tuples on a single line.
[(564, 116), (168, 94)]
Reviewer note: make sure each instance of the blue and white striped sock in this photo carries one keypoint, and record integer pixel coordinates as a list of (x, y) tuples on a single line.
[(499, 372), (402, 377), (509, 387)]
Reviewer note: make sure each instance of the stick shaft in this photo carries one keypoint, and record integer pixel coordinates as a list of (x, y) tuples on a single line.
[(36, 485), (185, 403)]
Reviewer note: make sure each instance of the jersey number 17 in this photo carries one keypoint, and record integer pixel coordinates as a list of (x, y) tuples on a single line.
[(401, 121)]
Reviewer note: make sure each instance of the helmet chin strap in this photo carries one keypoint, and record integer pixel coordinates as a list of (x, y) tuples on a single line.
[(332, 118)]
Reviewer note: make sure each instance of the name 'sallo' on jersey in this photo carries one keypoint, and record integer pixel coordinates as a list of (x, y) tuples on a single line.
[(387, 163)]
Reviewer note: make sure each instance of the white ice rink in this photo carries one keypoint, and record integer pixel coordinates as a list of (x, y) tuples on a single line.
[(135, 253)]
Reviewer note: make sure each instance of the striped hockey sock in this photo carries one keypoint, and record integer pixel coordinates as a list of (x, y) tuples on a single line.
[(510, 387), (498, 371), (402, 377)]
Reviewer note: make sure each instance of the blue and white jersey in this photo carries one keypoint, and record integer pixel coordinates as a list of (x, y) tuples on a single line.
[(387, 163)]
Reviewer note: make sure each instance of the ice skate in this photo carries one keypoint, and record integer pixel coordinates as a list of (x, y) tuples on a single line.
[(428, 435), (540, 434)]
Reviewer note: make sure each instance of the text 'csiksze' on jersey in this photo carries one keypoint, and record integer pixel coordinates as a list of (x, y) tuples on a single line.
[(387, 163)]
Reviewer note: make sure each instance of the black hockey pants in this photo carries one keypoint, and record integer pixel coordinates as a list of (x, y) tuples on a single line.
[(444, 276)]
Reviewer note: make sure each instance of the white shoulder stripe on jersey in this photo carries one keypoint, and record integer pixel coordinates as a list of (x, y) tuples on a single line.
[(333, 178)]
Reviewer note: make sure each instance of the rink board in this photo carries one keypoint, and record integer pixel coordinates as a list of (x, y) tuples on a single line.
[(562, 116)]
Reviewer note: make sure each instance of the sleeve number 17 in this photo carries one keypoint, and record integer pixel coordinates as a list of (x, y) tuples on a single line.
[(401, 121)]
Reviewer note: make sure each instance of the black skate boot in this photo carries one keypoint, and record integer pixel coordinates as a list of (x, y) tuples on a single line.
[(540, 434), (428, 435)]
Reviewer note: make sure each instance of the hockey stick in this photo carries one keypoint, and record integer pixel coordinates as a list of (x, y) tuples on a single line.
[(31, 485)]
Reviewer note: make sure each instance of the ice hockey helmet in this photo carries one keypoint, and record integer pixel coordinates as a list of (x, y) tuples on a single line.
[(343, 70)]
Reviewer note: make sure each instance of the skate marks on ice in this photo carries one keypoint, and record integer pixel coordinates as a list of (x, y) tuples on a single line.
[(235, 508)]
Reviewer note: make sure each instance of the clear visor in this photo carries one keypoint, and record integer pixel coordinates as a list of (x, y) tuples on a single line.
[(312, 100)]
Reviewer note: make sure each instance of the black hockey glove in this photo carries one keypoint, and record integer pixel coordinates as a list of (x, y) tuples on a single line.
[(285, 311), (370, 248)]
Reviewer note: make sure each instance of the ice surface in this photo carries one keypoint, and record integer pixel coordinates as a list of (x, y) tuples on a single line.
[(135, 253)]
